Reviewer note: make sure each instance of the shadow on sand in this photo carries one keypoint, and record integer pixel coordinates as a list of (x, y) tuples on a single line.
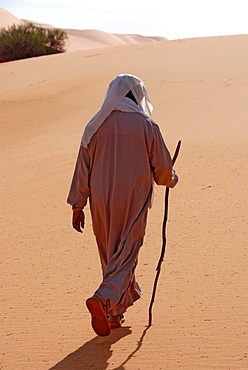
[(96, 353)]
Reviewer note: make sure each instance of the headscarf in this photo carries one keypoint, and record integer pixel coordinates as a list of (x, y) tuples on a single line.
[(115, 100)]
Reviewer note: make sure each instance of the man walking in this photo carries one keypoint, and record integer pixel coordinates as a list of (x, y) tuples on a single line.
[(122, 153)]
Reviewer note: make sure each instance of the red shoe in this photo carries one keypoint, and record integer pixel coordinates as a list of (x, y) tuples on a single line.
[(116, 321), (99, 321)]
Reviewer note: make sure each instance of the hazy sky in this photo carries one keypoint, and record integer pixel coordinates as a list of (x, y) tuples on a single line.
[(173, 19)]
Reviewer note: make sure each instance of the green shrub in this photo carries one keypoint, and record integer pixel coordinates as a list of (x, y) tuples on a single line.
[(27, 41)]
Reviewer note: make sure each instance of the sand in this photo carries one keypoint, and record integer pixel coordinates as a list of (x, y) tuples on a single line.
[(7, 19), (199, 91)]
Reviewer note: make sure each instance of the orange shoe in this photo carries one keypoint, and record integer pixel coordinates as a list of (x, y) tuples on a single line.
[(116, 321), (99, 321)]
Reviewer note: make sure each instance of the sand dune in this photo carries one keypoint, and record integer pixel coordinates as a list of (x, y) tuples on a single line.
[(7, 19), (83, 39), (199, 91), (90, 39)]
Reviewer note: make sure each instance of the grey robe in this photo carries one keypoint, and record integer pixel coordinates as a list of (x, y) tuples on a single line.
[(116, 172)]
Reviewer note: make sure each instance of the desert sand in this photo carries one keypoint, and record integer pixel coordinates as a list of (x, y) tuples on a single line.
[(199, 89)]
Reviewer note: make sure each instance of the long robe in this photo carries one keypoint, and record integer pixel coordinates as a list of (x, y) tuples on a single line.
[(116, 171)]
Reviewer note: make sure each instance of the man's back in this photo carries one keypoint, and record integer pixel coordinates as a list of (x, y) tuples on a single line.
[(119, 153)]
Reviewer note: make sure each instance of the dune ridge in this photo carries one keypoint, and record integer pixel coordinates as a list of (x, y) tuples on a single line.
[(83, 39), (7, 19)]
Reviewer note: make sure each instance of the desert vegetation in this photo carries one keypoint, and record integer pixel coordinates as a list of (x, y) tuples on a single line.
[(28, 41)]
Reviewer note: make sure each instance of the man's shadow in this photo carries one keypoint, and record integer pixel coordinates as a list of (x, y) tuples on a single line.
[(93, 354)]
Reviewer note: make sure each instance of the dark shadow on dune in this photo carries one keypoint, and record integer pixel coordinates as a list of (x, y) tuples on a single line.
[(93, 354)]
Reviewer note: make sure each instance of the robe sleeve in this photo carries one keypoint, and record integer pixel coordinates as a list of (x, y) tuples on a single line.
[(161, 162), (80, 190)]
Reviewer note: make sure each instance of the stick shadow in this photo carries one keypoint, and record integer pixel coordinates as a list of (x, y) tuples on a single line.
[(139, 345), (94, 354)]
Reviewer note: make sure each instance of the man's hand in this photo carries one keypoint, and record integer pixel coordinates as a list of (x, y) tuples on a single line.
[(78, 221)]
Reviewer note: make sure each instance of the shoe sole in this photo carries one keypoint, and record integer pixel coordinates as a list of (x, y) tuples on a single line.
[(99, 321)]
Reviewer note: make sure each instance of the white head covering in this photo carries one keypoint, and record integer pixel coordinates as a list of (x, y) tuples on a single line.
[(115, 100)]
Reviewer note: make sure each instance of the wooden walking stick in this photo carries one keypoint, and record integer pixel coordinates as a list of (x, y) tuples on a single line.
[(158, 269)]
